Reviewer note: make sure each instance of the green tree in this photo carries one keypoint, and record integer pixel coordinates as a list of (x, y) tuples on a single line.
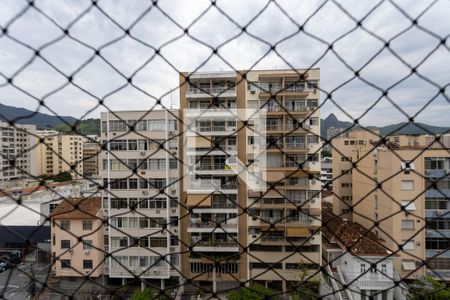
[(429, 288), (326, 153), (253, 292), (308, 288), (62, 177), (142, 295)]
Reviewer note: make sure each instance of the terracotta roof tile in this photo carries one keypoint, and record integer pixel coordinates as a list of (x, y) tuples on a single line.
[(352, 236), (77, 208)]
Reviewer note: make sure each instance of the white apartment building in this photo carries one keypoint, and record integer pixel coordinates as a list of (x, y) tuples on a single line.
[(140, 172), (17, 152)]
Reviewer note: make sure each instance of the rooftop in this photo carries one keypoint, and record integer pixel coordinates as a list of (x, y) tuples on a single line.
[(352, 236), (78, 208)]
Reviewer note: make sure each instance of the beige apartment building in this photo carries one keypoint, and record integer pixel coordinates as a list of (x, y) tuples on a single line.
[(400, 191), (91, 154), (140, 171), (17, 144), (71, 219), (61, 153), (343, 149), (236, 231)]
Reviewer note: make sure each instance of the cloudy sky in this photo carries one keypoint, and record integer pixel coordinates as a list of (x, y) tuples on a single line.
[(424, 47)]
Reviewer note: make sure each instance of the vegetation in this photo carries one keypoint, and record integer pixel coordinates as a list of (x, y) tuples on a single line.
[(429, 288), (61, 177), (84, 127), (147, 294), (326, 153), (253, 292), (308, 289)]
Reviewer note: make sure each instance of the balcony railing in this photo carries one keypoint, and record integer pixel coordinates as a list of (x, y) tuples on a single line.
[(216, 243), (211, 90), (207, 167), (290, 145)]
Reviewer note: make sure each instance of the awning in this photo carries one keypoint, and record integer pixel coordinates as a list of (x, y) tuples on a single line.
[(409, 265), (198, 142), (199, 200), (298, 232), (275, 176)]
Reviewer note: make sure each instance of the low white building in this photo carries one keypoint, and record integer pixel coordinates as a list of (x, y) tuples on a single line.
[(359, 266), (36, 202)]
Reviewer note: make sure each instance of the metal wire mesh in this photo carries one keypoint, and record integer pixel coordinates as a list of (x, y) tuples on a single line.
[(310, 277)]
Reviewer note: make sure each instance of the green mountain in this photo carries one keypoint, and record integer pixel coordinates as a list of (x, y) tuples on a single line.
[(25, 116), (84, 127), (399, 128)]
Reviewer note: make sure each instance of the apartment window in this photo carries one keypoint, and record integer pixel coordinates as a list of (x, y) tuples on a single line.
[(65, 225), (407, 185), (143, 241), (156, 125), (87, 263), (123, 241), (65, 244), (143, 261), (132, 145), (407, 224), (133, 222), (132, 183), (87, 244), (409, 205), (65, 264), (408, 245), (134, 261), (87, 225), (363, 268)]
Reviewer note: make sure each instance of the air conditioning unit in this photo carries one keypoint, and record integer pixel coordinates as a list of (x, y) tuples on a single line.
[(173, 192), (156, 271), (87, 252), (144, 192), (171, 132), (173, 210), (252, 92), (142, 153), (438, 212), (143, 173)]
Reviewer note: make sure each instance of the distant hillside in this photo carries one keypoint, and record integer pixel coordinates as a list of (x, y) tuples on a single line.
[(412, 129), (85, 127), (400, 128), (25, 116)]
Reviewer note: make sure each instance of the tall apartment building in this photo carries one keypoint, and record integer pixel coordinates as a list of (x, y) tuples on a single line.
[(61, 153), (342, 158), (91, 153), (237, 233), (17, 152), (140, 172), (401, 191)]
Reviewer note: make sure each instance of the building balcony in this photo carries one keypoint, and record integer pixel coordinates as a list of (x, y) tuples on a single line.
[(436, 173), (212, 226), (208, 92), (441, 193), (143, 272), (215, 246)]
